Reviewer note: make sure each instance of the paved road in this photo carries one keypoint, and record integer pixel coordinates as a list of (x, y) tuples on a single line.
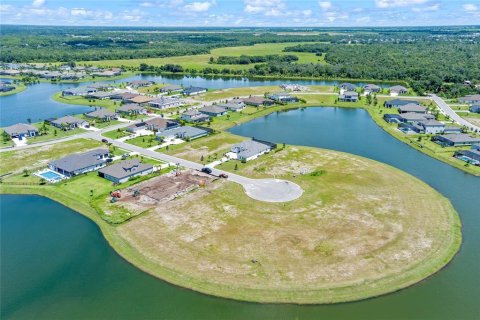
[(446, 110)]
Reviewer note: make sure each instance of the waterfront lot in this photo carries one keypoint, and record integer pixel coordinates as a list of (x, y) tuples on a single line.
[(339, 241)]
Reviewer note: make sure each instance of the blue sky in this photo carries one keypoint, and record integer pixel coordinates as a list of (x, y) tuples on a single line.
[(238, 13)]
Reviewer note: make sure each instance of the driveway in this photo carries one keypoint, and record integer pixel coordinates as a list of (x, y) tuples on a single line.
[(446, 110)]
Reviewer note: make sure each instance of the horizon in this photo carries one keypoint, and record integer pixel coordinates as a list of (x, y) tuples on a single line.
[(241, 13)]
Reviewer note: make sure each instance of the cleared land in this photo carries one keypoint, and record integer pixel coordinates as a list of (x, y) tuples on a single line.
[(202, 60), (361, 229)]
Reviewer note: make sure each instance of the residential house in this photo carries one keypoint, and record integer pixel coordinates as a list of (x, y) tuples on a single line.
[(397, 90), (5, 87), (166, 102), (124, 96), (452, 129), (392, 118), (79, 91), (411, 127), (10, 72), (191, 91), (231, 106), (293, 87), (100, 95), (183, 132), (258, 101), (432, 126), (125, 170), (156, 124), (131, 109), (456, 139), (194, 116), (171, 88), (79, 163), (347, 87), (102, 114), (68, 123), (99, 86), (411, 117), (412, 107), (213, 111), (395, 103), (21, 130), (470, 99), (282, 97), (140, 99), (371, 88), (348, 96), (471, 156), (475, 108), (140, 83), (251, 149)]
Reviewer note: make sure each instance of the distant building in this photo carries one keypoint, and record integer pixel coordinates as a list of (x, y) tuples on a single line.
[(68, 123), (194, 116), (171, 88), (456, 139), (100, 95), (471, 156), (392, 118), (140, 99), (21, 130), (131, 109), (347, 87), (258, 101), (213, 111), (125, 170), (251, 149), (397, 90), (140, 83), (191, 91), (432, 126), (231, 106), (79, 91), (79, 163), (411, 117), (470, 99), (348, 96), (475, 108), (371, 88), (165, 103), (124, 96), (156, 124), (412, 107), (183, 132), (282, 97), (102, 114), (395, 103)]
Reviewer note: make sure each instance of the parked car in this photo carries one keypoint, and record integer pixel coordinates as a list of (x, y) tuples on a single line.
[(104, 140), (223, 175), (109, 160), (206, 170)]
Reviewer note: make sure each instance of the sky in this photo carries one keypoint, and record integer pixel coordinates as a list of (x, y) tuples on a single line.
[(241, 13)]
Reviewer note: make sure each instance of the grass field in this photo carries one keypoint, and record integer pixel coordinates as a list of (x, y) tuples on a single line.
[(106, 103), (202, 61), (355, 233), (35, 158)]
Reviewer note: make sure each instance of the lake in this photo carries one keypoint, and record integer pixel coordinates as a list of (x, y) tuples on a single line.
[(56, 264)]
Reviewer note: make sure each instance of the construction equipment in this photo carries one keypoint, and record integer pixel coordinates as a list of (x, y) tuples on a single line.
[(116, 194)]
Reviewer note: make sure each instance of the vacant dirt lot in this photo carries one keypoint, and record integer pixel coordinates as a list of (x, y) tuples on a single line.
[(360, 229)]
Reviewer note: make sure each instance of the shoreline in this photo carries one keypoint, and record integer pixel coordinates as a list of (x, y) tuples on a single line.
[(122, 247)]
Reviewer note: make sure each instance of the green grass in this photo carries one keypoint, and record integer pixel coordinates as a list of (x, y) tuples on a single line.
[(202, 60), (116, 134), (38, 157), (106, 103), (53, 133), (19, 87), (144, 141)]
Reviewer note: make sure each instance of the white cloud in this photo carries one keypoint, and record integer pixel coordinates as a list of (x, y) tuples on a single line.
[(267, 7), (398, 3), (362, 20), (470, 7), (433, 7), (307, 13), (325, 5), (38, 3), (5, 7), (199, 6), (80, 12)]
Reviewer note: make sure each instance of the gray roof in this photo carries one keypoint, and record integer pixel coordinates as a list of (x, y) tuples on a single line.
[(164, 100), (173, 87), (411, 116), (231, 105), (19, 128), (101, 94), (130, 107), (80, 90), (398, 88), (67, 120), (371, 87), (183, 132), (101, 113), (213, 109), (412, 107), (80, 161), (348, 86), (124, 169), (249, 148), (400, 102), (194, 89), (460, 137), (432, 123)]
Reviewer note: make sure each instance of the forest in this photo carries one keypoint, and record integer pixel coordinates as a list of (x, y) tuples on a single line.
[(245, 59)]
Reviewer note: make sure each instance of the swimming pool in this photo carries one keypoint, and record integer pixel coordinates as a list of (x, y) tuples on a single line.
[(50, 176)]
